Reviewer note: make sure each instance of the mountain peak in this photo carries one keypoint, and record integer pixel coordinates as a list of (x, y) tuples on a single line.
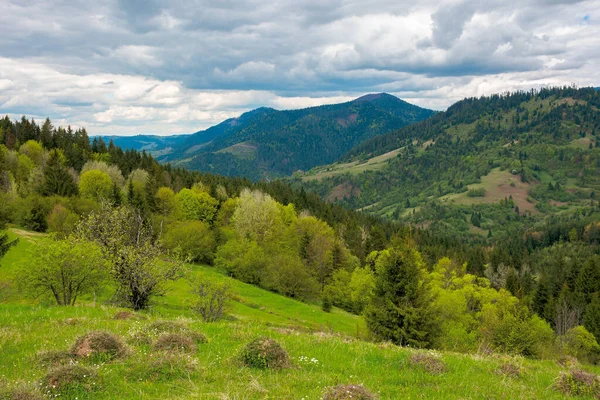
[(374, 96)]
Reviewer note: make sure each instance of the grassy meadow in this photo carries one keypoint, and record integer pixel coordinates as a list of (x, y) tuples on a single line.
[(325, 349)]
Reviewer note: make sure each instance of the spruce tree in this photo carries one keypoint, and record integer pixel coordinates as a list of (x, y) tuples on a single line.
[(400, 310)]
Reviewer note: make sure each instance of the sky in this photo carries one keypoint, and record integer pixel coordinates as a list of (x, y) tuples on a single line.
[(143, 66)]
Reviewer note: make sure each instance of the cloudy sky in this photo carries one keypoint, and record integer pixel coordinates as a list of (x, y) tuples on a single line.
[(144, 66)]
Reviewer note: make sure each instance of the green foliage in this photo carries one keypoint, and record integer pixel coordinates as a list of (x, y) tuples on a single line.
[(128, 242), (479, 192), (581, 344), (61, 221), (194, 239), (214, 299), (400, 310), (578, 383), (64, 270), (264, 353), (95, 185), (195, 205)]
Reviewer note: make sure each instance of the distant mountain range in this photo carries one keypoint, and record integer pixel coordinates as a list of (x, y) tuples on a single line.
[(266, 143)]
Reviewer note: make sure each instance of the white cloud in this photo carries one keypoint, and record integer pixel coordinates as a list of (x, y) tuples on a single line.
[(151, 67)]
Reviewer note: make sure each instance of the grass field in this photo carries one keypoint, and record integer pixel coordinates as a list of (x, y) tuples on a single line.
[(322, 348), (353, 168), (498, 185)]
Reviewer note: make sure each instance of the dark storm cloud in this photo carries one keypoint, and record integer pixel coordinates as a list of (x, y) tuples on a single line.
[(175, 67)]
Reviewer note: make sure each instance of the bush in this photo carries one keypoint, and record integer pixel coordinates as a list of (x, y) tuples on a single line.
[(580, 343), (347, 392), (479, 192), (69, 379), (195, 240), (102, 345), (174, 342), (578, 383), (429, 362), (213, 299), (265, 353)]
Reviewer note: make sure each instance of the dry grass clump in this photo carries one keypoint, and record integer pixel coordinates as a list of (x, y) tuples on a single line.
[(53, 358), (19, 394), (66, 379), (168, 326), (347, 392), (429, 362), (139, 338), (167, 366), (125, 315), (103, 345), (510, 369), (265, 352), (174, 342), (578, 383), (568, 362)]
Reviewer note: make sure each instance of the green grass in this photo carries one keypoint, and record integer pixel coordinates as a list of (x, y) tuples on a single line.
[(214, 370)]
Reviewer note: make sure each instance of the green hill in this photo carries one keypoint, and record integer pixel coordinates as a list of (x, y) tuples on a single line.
[(323, 350), (511, 160), (265, 143)]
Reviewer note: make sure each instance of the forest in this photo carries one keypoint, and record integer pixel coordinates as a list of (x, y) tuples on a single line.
[(118, 221)]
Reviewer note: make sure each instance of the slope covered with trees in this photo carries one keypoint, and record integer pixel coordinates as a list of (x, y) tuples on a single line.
[(266, 143)]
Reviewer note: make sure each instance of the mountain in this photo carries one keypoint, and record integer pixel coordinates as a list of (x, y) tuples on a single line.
[(486, 166), (153, 144), (266, 143)]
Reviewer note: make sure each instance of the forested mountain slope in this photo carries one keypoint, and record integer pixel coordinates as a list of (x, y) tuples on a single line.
[(266, 143), (483, 166)]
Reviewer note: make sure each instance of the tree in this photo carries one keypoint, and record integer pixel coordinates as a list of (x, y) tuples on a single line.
[(213, 298), (400, 310), (95, 185), (165, 200), (196, 205), (134, 252), (64, 270), (257, 216), (57, 179), (62, 221), (194, 239)]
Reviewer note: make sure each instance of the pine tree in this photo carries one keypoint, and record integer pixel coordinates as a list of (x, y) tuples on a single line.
[(400, 310), (57, 179), (591, 316)]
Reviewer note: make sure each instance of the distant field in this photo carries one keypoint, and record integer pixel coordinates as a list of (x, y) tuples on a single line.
[(497, 185), (354, 168), (243, 150)]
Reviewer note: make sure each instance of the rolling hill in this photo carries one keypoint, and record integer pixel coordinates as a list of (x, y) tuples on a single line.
[(485, 165), (325, 350)]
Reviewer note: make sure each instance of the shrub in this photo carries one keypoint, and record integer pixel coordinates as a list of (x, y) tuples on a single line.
[(479, 192), (103, 345), (213, 299), (67, 379), (580, 343), (174, 342), (195, 240), (429, 362), (578, 383), (265, 353), (347, 392)]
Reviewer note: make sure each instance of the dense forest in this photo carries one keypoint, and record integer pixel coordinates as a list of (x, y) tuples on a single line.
[(528, 294), (266, 143)]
